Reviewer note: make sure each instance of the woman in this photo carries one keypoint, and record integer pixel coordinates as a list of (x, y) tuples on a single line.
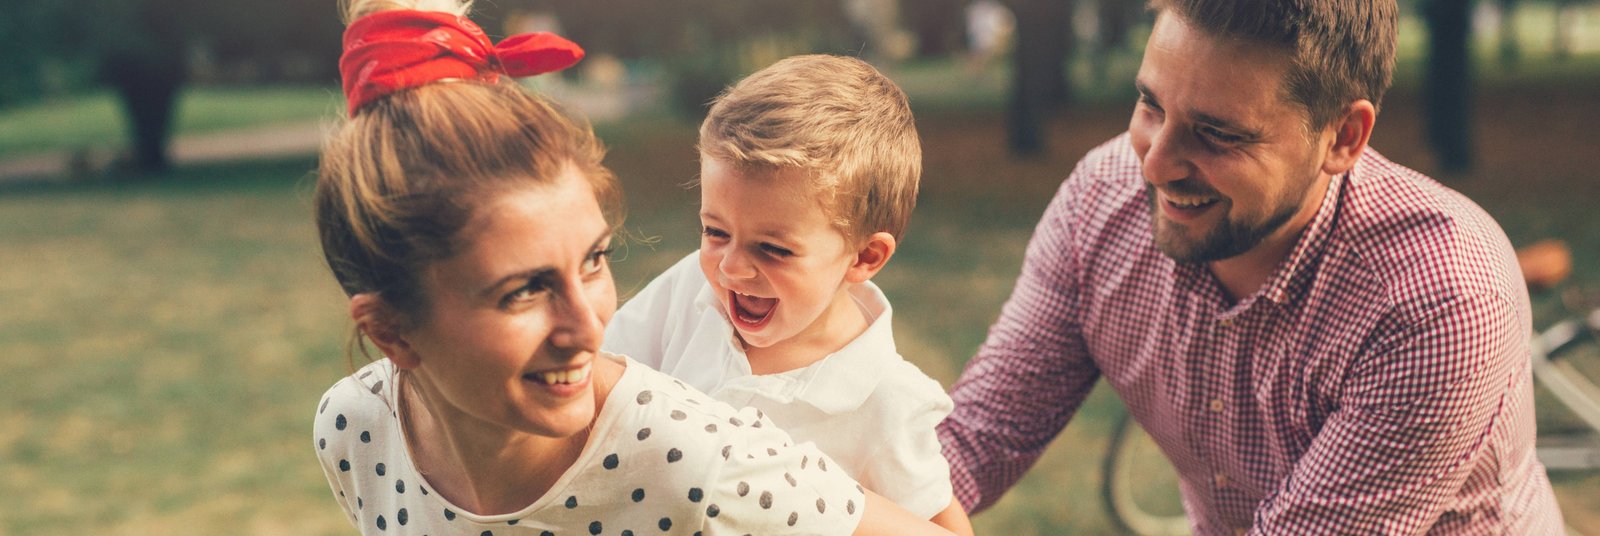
[(469, 222)]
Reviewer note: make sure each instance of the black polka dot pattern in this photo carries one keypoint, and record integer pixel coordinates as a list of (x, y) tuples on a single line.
[(696, 463)]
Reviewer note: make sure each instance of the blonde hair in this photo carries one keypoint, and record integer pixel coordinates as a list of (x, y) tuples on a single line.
[(399, 180), (839, 119)]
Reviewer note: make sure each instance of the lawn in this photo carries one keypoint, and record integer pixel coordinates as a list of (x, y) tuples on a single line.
[(166, 340)]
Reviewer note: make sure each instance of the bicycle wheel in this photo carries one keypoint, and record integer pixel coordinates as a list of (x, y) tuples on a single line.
[(1139, 485), (1561, 352)]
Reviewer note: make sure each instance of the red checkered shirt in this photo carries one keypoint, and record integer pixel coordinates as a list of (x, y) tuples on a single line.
[(1378, 383)]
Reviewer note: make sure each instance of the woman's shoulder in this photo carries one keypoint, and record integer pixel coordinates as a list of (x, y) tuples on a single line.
[(725, 459), (358, 404)]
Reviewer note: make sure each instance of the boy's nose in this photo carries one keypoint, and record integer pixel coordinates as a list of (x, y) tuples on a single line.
[(736, 264)]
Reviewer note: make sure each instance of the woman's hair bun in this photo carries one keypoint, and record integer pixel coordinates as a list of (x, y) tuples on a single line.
[(355, 9)]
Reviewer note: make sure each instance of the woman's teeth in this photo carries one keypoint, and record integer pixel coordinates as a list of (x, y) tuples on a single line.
[(562, 376)]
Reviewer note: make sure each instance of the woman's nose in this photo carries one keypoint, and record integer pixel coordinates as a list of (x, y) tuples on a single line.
[(577, 322)]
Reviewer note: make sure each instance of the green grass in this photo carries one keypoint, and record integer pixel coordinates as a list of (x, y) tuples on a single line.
[(95, 120)]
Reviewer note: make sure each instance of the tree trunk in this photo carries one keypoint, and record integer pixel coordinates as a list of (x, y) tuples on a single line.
[(148, 85), (937, 24), (1510, 50), (1039, 83), (1448, 83)]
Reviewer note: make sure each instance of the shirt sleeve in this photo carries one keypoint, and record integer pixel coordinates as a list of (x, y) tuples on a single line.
[(1030, 375), (640, 328), (330, 446), (907, 466), (769, 486), (1412, 420)]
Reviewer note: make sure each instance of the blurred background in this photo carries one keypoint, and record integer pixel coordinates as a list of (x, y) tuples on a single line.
[(167, 324)]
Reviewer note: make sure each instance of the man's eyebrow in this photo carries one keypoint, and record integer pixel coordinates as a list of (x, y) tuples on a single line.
[(1227, 125), (1144, 91)]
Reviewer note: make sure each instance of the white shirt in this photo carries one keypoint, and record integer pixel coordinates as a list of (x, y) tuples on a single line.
[(662, 459), (864, 405)]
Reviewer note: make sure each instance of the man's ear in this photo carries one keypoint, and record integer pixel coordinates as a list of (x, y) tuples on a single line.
[(873, 254), (379, 321), (1350, 134)]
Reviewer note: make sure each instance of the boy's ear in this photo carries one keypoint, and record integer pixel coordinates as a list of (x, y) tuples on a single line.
[(1350, 134), (376, 319), (873, 254)]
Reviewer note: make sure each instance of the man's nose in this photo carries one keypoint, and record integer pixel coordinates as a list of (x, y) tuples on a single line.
[(1167, 158)]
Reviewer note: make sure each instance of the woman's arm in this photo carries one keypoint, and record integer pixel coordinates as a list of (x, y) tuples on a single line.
[(954, 519), (883, 517)]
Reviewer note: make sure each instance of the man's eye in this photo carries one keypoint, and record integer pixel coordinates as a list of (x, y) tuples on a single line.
[(1220, 136)]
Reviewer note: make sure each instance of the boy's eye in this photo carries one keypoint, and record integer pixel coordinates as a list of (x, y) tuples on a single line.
[(713, 232), (775, 250)]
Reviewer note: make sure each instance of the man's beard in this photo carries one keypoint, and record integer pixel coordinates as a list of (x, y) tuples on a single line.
[(1227, 239)]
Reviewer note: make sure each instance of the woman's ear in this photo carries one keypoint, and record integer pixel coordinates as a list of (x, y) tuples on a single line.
[(873, 254), (1350, 134), (379, 321)]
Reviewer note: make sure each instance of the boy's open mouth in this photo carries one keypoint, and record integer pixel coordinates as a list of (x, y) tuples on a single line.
[(751, 312)]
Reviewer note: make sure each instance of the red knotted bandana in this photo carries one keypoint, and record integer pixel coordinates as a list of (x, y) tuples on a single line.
[(393, 50)]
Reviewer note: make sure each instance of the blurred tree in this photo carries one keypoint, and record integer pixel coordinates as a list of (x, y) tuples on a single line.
[(704, 44), (141, 49), (1448, 82), (1510, 51), (1114, 20), (1044, 41), (938, 24)]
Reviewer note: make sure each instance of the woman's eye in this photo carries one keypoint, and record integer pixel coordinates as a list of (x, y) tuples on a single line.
[(528, 292), (595, 261)]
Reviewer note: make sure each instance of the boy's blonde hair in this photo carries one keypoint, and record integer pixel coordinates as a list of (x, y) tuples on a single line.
[(839, 119)]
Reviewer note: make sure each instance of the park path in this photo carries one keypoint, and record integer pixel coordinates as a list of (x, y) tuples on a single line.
[(268, 141)]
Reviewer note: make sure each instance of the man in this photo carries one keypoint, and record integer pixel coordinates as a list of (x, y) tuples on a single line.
[(1321, 341)]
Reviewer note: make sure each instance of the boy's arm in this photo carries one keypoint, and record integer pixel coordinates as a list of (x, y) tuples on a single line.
[(954, 519)]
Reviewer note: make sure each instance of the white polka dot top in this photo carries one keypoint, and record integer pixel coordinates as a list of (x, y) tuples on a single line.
[(663, 459)]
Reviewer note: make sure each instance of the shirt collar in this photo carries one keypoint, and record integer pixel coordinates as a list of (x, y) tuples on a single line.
[(838, 383)]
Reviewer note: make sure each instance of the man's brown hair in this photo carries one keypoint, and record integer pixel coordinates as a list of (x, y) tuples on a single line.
[(1343, 50)]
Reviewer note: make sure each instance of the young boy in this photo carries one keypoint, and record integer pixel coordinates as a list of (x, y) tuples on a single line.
[(808, 174)]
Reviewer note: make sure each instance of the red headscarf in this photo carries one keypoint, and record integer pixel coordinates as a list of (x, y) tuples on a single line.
[(393, 50)]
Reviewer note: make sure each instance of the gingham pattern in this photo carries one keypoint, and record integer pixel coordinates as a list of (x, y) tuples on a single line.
[(1377, 384)]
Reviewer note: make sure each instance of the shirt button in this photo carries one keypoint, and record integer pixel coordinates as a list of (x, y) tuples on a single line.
[(1216, 405), (1226, 322), (1221, 480), (1239, 532)]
